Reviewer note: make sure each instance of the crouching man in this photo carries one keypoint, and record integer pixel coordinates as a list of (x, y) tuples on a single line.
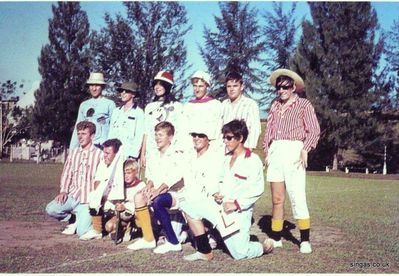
[(232, 206), (77, 181)]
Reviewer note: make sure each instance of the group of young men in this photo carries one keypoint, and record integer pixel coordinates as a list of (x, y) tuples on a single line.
[(202, 169)]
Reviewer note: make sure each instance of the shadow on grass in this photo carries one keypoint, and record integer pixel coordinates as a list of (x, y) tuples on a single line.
[(265, 224)]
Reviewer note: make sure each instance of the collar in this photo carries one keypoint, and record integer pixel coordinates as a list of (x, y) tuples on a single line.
[(135, 182), (248, 153), (296, 97), (203, 100), (91, 148)]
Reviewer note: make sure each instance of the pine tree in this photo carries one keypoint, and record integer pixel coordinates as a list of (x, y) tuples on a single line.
[(392, 57), (338, 55), (279, 36), (64, 67), (150, 39), (235, 45)]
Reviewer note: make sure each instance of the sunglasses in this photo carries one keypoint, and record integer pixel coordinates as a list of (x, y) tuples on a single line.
[(283, 87), (199, 135), (228, 137)]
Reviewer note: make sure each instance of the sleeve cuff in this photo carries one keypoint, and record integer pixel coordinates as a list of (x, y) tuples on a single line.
[(237, 205)]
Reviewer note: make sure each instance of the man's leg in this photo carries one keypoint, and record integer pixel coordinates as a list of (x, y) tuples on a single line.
[(83, 218), (204, 250), (278, 198), (62, 212)]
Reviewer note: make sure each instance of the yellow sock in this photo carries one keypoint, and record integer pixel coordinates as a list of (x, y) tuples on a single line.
[(143, 216), (277, 225), (304, 224), (97, 223)]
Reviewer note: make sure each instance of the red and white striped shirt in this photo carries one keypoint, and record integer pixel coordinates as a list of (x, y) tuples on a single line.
[(297, 123), (77, 179)]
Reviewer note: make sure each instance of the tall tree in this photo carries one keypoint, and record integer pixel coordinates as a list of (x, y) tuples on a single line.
[(150, 39), (337, 55), (279, 36), (235, 45), (392, 54), (64, 67)]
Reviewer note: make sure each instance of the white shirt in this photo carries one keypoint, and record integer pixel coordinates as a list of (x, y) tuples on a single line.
[(244, 182), (165, 169), (128, 127), (154, 114), (129, 198), (248, 110)]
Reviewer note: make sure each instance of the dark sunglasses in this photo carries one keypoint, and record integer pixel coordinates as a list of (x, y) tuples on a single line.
[(199, 135), (228, 137), (284, 87)]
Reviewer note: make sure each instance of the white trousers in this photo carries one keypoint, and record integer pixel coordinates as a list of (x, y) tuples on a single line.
[(283, 157)]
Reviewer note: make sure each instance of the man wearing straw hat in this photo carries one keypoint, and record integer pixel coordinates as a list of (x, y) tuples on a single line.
[(292, 131), (97, 110), (127, 121)]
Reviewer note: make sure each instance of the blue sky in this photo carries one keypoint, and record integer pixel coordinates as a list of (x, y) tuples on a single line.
[(24, 26)]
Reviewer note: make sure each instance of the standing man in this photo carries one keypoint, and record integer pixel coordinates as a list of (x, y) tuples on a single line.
[(240, 107), (97, 110), (203, 109), (77, 181), (292, 131), (127, 121)]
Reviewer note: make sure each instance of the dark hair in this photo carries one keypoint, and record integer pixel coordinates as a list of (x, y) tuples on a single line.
[(86, 124), (234, 76), (283, 78), (168, 97), (238, 128), (114, 143), (170, 129)]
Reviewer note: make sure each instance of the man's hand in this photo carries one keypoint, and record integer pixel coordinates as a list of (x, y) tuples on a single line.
[(218, 198), (229, 207), (303, 159), (61, 198)]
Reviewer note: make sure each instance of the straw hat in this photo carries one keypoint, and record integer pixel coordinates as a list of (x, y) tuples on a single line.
[(202, 76), (128, 86), (166, 76), (300, 85), (201, 128), (96, 78)]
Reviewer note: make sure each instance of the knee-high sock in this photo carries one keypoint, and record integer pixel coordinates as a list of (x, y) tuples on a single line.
[(160, 204), (304, 229), (144, 219), (277, 228), (202, 243), (97, 223)]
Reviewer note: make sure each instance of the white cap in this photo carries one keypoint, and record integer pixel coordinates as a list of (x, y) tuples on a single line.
[(202, 76), (201, 128)]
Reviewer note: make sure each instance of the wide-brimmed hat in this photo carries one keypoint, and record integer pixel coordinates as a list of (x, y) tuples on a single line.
[(202, 76), (201, 128), (166, 76), (299, 83), (131, 87), (96, 78)]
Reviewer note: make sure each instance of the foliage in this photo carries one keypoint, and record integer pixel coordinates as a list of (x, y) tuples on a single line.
[(235, 45), (64, 67), (338, 57), (136, 48), (392, 56)]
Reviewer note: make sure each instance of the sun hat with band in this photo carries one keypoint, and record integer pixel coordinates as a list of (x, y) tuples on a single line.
[(96, 78), (201, 75), (130, 87), (299, 83)]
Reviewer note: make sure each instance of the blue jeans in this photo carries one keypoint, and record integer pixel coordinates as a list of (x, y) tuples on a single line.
[(63, 212)]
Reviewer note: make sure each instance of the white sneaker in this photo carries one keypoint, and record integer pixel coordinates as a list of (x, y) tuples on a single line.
[(183, 237), (277, 244), (212, 242), (305, 247), (198, 256), (91, 234), (142, 244), (166, 247), (70, 229)]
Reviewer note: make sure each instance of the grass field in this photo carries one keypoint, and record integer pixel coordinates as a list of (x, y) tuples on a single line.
[(355, 229)]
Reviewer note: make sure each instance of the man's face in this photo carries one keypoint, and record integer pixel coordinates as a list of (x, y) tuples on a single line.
[(129, 176), (234, 89), (126, 96), (231, 142), (200, 141), (95, 90), (285, 90), (84, 137), (162, 139), (200, 88), (109, 155)]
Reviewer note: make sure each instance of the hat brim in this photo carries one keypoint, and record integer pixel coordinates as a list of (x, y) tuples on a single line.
[(299, 83), (96, 82), (120, 89)]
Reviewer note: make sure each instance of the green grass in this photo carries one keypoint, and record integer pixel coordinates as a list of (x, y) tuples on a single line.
[(355, 222)]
